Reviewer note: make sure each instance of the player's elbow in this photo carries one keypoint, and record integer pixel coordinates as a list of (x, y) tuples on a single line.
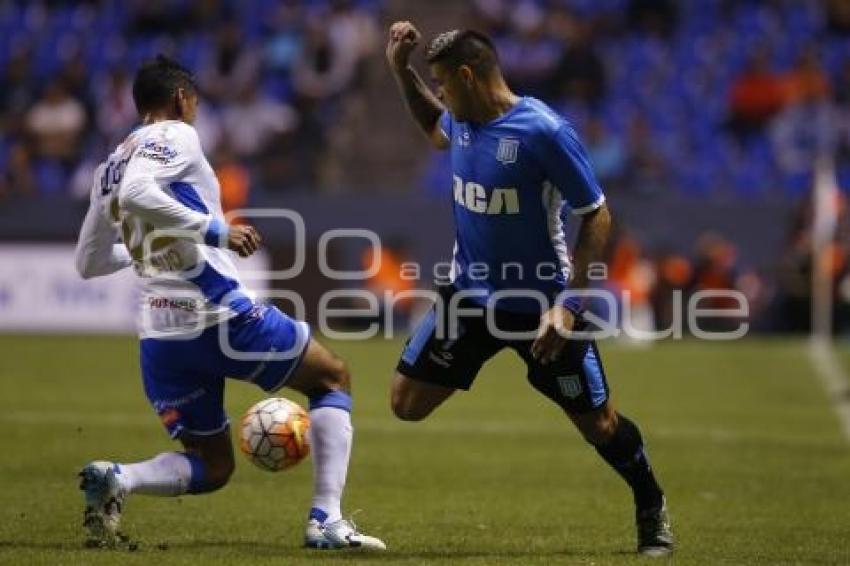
[(85, 268)]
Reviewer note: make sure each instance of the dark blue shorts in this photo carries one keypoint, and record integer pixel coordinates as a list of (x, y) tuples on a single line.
[(184, 379), (576, 380)]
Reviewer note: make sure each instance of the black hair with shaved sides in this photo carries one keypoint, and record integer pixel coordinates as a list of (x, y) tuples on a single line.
[(156, 82), (464, 47)]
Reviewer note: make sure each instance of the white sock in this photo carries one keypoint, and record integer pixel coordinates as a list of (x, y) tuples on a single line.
[(167, 474), (330, 440)]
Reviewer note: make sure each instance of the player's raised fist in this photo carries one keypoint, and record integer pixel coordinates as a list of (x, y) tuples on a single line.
[(404, 37), (244, 240)]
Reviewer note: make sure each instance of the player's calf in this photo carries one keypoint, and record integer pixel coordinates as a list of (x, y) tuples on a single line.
[(597, 427), (212, 460), (216, 475), (618, 441), (219, 476)]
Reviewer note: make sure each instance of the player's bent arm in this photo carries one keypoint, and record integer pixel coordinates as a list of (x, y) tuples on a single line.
[(593, 234), (590, 244), (142, 196), (422, 104), (97, 252)]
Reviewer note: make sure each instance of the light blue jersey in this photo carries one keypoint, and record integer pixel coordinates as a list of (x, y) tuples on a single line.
[(514, 180)]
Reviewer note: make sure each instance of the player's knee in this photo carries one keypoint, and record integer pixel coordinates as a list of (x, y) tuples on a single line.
[(405, 407), (340, 375), (335, 376), (407, 412)]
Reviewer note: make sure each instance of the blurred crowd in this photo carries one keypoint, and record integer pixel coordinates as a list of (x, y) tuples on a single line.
[(729, 99), (713, 97), (272, 74), (778, 298)]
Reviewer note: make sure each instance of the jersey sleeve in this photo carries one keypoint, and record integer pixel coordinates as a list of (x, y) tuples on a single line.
[(157, 162), (445, 124), (98, 251), (567, 166)]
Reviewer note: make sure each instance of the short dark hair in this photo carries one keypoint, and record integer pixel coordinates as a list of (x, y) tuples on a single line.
[(156, 82), (464, 47)]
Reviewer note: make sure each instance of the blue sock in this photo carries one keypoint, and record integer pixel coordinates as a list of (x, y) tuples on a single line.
[(338, 399), (318, 514), (198, 479)]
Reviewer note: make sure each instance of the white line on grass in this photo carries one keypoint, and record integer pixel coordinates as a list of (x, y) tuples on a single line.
[(563, 429), (831, 376)]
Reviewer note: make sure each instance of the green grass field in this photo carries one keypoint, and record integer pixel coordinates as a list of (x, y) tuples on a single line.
[(742, 436)]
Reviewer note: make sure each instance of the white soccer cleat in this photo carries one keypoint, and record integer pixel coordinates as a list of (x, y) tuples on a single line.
[(315, 538), (339, 535), (343, 534), (104, 500)]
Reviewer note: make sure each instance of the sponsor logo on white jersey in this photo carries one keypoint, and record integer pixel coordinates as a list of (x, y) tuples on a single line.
[(157, 151)]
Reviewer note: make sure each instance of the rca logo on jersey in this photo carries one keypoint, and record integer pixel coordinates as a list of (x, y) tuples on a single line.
[(507, 151), (474, 197)]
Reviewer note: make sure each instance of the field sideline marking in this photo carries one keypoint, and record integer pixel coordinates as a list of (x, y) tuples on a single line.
[(716, 435), (831, 376)]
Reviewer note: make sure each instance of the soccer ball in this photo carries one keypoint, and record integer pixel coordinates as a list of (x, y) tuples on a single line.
[(274, 434)]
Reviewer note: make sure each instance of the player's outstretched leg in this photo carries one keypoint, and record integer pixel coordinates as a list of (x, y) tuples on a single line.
[(618, 440), (206, 465), (326, 382), (577, 383)]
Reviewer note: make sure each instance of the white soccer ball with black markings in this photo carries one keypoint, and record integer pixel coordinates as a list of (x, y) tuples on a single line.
[(273, 434)]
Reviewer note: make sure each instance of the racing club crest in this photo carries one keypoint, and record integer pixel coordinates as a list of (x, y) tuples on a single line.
[(570, 386), (507, 151)]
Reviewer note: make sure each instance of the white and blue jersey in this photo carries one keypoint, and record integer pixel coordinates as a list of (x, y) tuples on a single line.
[(155, 206), (514, 180), (158, 195)]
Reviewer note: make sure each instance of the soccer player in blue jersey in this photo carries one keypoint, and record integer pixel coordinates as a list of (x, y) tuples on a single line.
[(517, 168)]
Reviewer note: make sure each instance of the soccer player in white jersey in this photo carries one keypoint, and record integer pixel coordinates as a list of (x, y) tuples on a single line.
[(518, 168), (155, 206)]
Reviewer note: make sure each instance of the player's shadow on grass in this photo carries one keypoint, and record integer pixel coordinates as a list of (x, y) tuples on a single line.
[(22, 545), (277, 550), (261, 548)]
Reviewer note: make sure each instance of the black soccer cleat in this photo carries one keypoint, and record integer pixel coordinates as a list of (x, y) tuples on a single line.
[(655, 538)]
